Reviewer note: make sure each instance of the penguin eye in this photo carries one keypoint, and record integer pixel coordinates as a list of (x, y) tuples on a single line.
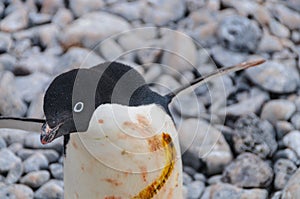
[(78, 107)]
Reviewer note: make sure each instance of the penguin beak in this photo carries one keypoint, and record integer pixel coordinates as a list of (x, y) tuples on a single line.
[(48, 134)]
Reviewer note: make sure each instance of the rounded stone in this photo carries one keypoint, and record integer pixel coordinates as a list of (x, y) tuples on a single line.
[(35, 179), (238, 33)]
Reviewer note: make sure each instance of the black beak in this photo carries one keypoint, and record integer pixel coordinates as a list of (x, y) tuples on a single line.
[(48, 134)]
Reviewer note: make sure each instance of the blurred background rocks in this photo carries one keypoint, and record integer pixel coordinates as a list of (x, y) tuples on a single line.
[(245, 127)]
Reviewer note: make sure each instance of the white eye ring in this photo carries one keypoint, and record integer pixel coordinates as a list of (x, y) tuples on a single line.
[(78, 107)]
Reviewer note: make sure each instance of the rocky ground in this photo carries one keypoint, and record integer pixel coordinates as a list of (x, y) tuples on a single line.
[(248, 141)]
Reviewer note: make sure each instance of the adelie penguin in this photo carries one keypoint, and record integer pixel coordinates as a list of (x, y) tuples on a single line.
[(120, 139)]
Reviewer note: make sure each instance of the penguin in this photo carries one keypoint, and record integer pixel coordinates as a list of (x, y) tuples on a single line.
[(119, 136)]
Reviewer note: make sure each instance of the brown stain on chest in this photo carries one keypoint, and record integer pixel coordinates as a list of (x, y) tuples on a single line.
[(100, 121), (74, 144), (113, 182)]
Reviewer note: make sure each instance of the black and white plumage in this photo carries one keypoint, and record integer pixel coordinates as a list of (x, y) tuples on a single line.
[(118, 118)]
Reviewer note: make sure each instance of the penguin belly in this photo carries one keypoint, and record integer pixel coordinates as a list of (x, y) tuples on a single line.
[(127, 152)]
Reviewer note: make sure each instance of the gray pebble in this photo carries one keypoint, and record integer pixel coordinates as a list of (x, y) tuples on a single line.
[(39, 18), (286, 16), (269, 44), (91, 27), (212, 149), (7, 160), (15, 147), (80, 7), (279, 109), (10, 101), (35, 179), (16, 191), (149, 56), (14, 173), (277, 195), (189, 106), (187, 179), (51, 7), (62, 17), (254, 135), (296, 120), (282, 128), (283, 170), (278, 29), (50, 190), (77, 57), (7, 61), (292, 189), (225, 57), (287, 154), (129, 10), (199, 177), (2, 143), (5, 42), (222, 191), (13, 136), (238, 33), (35, 162), (292, 140), (57, 171), (15, 21), (195, 189), (31, 85), (214, 179), (189, 170), (284, 78), (163, 12), (248, 170)]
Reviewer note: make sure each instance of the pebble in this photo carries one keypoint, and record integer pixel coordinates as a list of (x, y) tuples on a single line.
[(214, 179), (35, 162), (93, 27), (278, 29), (2, 143), (14, 173), (16, 20), (12, 136), (16, 191), (7, 160), (81, 7), (31, 85), (248, 171), (15, 147), (249, 105), (35, 109), (239, 34), (277, 195), (186, 178), (51, 6), (296, 120), (225, 57), (292, 189), (7, 61), (254, 135), (287, 154), (286, 16), (163, 12), (149, 56), (5, 42), (10, 101), (50, 154), (279, 109), (110, 50), (222, 190), (38, 62), (62, 18), (195, 189), (178, 57), (199, 177), (212, 149), (292, 141), (282, 128), (57, 171), (189, 106), (35, 179), (152, 73), (129, 10), (269, 43), (77, 57), (50, 190), (275, 77), (39, 18), (283, 170)]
